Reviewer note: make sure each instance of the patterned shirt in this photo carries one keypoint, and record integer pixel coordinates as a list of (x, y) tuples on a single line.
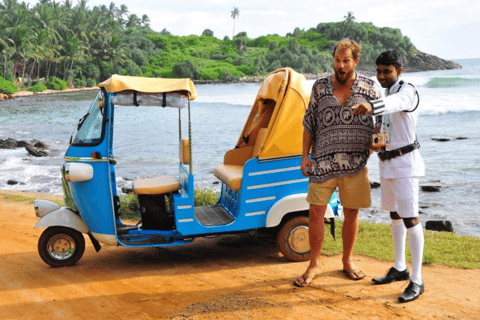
[(341, 140)]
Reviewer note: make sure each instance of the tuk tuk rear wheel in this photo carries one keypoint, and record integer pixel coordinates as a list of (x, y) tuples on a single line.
[(61, 246), (293, 239)]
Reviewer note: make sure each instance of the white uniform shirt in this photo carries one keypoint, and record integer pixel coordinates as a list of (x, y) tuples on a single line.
[(401, 129)]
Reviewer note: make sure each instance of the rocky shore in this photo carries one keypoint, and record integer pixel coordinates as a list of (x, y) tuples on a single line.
[(35, 148), (422, 61)]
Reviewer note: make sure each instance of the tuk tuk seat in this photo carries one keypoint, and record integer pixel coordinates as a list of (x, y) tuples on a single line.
[(156, 186), (231, 174), (163, 184)]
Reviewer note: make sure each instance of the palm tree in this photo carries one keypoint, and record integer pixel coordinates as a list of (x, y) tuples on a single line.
[(235, 13), (349, 18), (145, 21)]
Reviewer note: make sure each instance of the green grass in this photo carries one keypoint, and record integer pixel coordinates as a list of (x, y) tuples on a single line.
[(20, 198), (374, 239), (441, 248)]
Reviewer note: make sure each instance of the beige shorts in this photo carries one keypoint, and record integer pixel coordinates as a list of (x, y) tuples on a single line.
[(354, 191)]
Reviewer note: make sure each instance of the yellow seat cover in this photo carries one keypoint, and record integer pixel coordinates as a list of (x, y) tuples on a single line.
[(159, 185), (231, 175)]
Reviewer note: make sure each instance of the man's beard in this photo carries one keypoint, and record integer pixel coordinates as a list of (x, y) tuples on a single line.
[(347, 77)]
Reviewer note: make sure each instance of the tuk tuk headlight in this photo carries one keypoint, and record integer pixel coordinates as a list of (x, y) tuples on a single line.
[(42, 207), (78, 172)]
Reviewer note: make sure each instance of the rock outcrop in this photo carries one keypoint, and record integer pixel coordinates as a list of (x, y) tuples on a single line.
[(421, 61), (35, 147)]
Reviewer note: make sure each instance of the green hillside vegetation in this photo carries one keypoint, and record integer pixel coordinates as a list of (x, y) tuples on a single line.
[(84, 46)]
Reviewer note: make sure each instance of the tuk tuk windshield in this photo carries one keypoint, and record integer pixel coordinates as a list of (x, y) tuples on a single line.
[(90, 127)]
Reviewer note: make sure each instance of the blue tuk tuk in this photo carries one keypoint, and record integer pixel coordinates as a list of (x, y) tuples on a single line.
[(262, 184)]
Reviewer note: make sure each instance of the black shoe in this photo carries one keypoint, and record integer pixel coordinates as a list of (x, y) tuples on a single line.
[(393, 275), (412, 292)]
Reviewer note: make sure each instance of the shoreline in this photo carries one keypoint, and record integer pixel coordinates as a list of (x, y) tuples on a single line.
[(20, 94), (23, 93)]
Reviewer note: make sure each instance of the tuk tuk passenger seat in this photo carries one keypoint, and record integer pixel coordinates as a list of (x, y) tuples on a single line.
[(156, 186), (231, 174), (163, 184)]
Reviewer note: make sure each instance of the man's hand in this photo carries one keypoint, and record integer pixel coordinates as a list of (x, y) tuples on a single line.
[(362, 108), (306, 164)]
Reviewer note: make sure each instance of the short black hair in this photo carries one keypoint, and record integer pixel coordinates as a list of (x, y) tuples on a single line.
[(389, 57)]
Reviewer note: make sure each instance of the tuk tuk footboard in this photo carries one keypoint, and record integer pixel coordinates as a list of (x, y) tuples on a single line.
[(213, 215)]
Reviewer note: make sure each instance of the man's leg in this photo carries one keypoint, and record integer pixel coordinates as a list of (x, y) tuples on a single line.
[(399, 271), (399, 235), (316, 233), (349, 236), (407, 200), (416, 241), (354, 194)]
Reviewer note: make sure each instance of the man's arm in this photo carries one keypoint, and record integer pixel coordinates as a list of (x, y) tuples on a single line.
[(307, 145), (405, 100)]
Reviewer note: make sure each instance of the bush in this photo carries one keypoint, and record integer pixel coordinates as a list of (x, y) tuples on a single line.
[(39, 87), (80, 83), (273, 45), (91, 82), (205, 197), (7, 86), (129, 206), (207, 33), (185, 69), (56, 84)]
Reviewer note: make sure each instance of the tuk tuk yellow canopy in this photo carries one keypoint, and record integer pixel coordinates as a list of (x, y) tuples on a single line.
[(119, 83), (279, 107)]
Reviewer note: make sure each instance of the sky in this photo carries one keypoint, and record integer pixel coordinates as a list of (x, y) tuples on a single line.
[(449, 29)]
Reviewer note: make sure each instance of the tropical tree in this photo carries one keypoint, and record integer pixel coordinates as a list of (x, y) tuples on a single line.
[(349, 18), (235, 13), (145, 21)]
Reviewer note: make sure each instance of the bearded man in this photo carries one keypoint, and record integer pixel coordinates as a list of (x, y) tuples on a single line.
[(339, 140)]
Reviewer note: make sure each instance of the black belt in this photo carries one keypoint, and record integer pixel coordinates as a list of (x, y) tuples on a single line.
[(387, 155)]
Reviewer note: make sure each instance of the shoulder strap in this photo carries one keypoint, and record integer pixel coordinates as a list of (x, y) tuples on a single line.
[(416, 93)]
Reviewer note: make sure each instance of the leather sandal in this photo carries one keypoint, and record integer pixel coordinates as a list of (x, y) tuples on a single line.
[(354, 274)]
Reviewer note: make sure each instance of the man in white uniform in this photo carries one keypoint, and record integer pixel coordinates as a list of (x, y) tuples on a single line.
[(400, 167)]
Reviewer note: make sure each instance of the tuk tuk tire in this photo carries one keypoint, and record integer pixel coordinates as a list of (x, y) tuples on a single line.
[(61, 246), (293, 239)]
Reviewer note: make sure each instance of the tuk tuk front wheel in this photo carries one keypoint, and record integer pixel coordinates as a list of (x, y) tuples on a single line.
[(61, 246), (293, 239)]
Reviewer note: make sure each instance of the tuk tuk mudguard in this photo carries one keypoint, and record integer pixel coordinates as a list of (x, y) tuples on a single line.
[(63, 217), (284, 206)]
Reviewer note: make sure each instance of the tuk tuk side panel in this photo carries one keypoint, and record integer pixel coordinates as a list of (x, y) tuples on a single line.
[(94, 199), (266, 182)]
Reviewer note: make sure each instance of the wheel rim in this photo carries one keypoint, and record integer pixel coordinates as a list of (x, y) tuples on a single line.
[(298, 240), (61, 247)]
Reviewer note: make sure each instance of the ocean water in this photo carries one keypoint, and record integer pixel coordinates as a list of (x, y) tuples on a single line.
[(145, 140)]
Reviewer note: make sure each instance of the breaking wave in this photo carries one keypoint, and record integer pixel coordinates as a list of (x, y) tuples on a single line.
[(452, 82)]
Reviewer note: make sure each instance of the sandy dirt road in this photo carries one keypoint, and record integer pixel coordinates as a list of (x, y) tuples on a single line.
[(236, 277)]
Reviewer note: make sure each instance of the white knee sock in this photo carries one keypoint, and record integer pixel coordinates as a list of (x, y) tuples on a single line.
[(399, 235), (416, 241)]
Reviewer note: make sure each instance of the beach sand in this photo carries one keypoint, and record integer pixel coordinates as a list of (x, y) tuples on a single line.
[(230, 277), (49, 91)]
